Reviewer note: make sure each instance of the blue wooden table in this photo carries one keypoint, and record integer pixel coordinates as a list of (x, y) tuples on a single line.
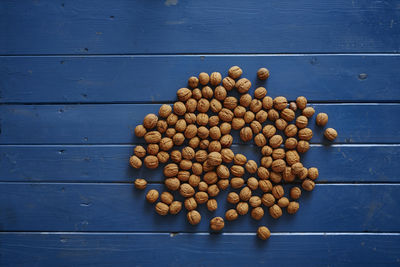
[(76, 77)]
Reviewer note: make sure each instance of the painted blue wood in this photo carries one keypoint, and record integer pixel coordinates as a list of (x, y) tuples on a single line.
[(130, 249), (105, 124), (98, 163), (156, 78), (124, 26), (120, 207)]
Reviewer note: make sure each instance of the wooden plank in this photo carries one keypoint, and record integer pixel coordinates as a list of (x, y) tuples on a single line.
[(119, 207), (156, 78), (97, 163), (198, 27), (114, 124), (128, 249)]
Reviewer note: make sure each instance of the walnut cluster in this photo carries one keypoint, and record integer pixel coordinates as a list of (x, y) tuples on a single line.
[(192, 140)]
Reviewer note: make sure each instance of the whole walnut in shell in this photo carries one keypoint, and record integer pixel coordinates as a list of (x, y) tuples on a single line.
[(217, 223), (243, 85)]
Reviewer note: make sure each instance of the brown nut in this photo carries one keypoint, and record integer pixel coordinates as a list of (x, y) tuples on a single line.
[(217, 224), (321, 119), (213, 190), (313, 173), (162, 126), (263, 73), (225, 115), (255, 105), (275, 141), (230, 102), (239, 159), (170, 132), (268, 199), (263, 233), (288, 175), (186, 190), (261, 116), (214, 146), (204, 78), (275, 177), (242, 208), (152, 137), (214, 158), (263, 173), (303, 146), (162, 208), (223, 184), (260, 140), (135, 162), (210, 177), (301, 122), (305, 134), (167, 197), (152, 196), (265, 185), (215, 105), (267, 102), (172, 183), (278, 165), (257, 213), (207, 92), (184, 94), (243, 85), (292, 157), (249, 116), (231, 215), (175, 207), (225, 128), (291, 130), (260, 92), (291, 143), (233, 198), (238, 123), (280, 102), (245, 100), (179, 108), (194, 179), (237, 182), (283, 202), (166, 144), (287, 114), (140, 183), (255, 201), (251, 166), (293, 207), (223, 172), (178, 139), (193, 82), (256, 126), (269, 130), (235, 72), (281, 124), (196, 94), (183, 176), (228, 83), (190, 203), (277, 191), (237, 170), (278, 153), (245, 193), (203, 105), (201, 197), (301, 102), (246, 134), (303, 174), (293, 106), (330, 134), (273, 115), (151, 162), (215, 78), (266, 161), (140, 131), (164, 111), (275, 211), (191, 107), (226, 140), (297, 168), (193, 217), (308, 185), (150, 121), (295, 192), (203, 186), (308, 112), (212, 205)]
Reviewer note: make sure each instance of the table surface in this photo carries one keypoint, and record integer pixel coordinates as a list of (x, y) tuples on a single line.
[(76, 77)]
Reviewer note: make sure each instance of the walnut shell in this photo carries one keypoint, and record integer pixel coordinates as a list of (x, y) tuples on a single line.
[(150, 121), (260, 140), (237, 182), (215, 133), (185, 164), (275, 211), (237, 170), (172, 183), (278, 165), (246, 134), (263, 73), (301, 102), (227, 155), (223, 184), (225, 115), (238, 123), (183, 176), (275, 141), (228, 83), (252, 183), (191, 106), (196, 94), (245, 100), (215, 105), (330, 134), (297, 168), (257, 213), (233, 198), (269, 130), (278, 153), (190, 204), (292, 157), (167, 197), (260, 92), (268, 199), (313, 173), (186, 190), (193, 82), (217, 224), (170, 132), (151, 162), (255, 105), (303, 174), (283, 202), (175, 207), (305, 134), (225, 128), (214, 146), (301, 122), (293, 207), (203, 132), (215, 78), (266, 162), (164, 111), (287, 114), (280, 102), (226, 140), (152, 149), (184, 94), (213, 190), (201, 155), (261, 116), (203, 105), (288, 175), (213, 121), (308, 185), (293, 106), (235, 72), (207, 92), (172, 119), (201, 197), (243, 85), (277, 191), (273, 115), (162, 208), (255, 201), (308, 112), (290, 130), (223, 172), (231, 215), (251, 166), (139, 151), (204, 78), (212, 205), (140, 183), (152, 137), (263, 173), (140, 130), (178, 139), (242, 208), (240, 159), (281, 124), (256, 127), (303, 146), (194, 179), (204, 144), (245, 193), (266, 150), (275, 177), (321, 119), (135, 162), (152, 196), (265, 185), (295, 192), (214, 158), (230, 102), (210, 177), (267, 102), (171, 170), (193, 217), (162, 126), (263, 233)]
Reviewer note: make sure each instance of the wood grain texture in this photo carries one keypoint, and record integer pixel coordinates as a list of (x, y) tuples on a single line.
[(125, 26), (98, 163), (138, 79), (114, 124), (128, 249), (121, 208)]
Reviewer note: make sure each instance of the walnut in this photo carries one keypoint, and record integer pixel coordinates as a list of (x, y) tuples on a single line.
[(321, 119), (171, 170), (152, 196), (301, 102), (245, 100), (225, 115), (194, 179), (292, 157), (140, 183), (202, 119), (287, 175), (249, 116), (305, 134), (193, 82), (214, 158), (257, 213), (163, 156), (191, 106), (203, 186), (313, 173), (166, 144), (245, 193), (162, 126), (150, 121), (230, 102), (239, 111), (203, 105), (237, 170), (266, 150), (204, 78), (212, 205), (269, 130), (184, 94), (281, 124), (330, 134), (263, 73), (135, 162), (188, 152), (207, 92), (186, 190), (167, 197), (152, 137), (278, 153), (260, 140), (295, 192), (172, 183), (185, 164), (220, 93), (256, 126), (297, 168), (152, 149), (265, 185), (243, 85), (287, 114), (231, 215), (278, 165), (303, 174), (293, 207), (263, 233), (308, 185), (251, 166), (210, 177), (301, 122), (227, 155), (196, 94), (225, 128), (252, 183), (203, 132), (268, 199), (303, 146), (201, 155), (275, 141), (215, 78), (170, 132), (238, 123), (255, 201), (290, 130), (280, 102), (242, 208), (176, 156), (235, 72), (151, 162), (283, 202), (213, 190), (277, 191), (261, 116), (275, 211), (260, 92), (233, 198), (226, 140), (172, 119), (201, 197), (215, 105), (214, 146), (140, 131), (262, 173), (183, 176), (267, 102), (308, 112), (193, 217), (293, 106), (178, 139), (162, 208), (228, 83), (207, 167), (217, 223), (175, 207), (213, 121), (237, 182), (255, 105), (246, 134), (273, 115), (275, 177), (266, 162), (164, 111), (190, 203), (240, 159)]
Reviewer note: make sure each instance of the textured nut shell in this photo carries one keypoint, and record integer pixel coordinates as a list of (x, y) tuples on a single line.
[(265, 185), (308, 112), (275, 141), (245, 100), (152, 196), (330, 134), (280, 102), (235, 72), (262, 173), (263, 73), (152, 137), (212, 205), (164, 111), (257, 213), (242, 208), (303, 146), (231, 215), (151, 162), (260, 92), (245, 193), (301, 122), (295, 192), (255, 201), (283, 202), (193, 82), (201, 197), (140, 130), (172, 183), (140, 183), (135, 162), (217, 224), (150, 121), (193, 217), (301, 102), (305, 134), (293, 207), (171, 170), (277, 191), (243, 85), (287, 114), (184, 94), (246, 134), (268, 199), (228, 83), (233, 198), (204, 78), (215, 78), (190, 203), (260, 140), (308, 185), (251, 166), (263, 233), (210, 177), (175, 207), (162, 208), (275, 211), (321, 119)]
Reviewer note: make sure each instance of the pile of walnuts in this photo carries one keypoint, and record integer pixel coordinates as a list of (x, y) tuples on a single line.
[(193, 139)]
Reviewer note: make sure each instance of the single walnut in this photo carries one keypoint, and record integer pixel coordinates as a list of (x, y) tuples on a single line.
[(275, 177), (330, 134), (172, 119), (283, 202), (235, 72), (223, 172), (263, 73), (188, 152), (295, 192), (243, 85), (251, 166), (135, 162), (212, 205), (277, 191), (292, 157), (210, 177), (214, 158), (152, 149), (152, 137), (227, 155), (321, 119), (175, 207), (226, 140), (255, 201), (203, 132), (308, 185), (293, 106), (162, 126), (170, 132), (269, 130), (242, 208), (190, 204), (217, 223), (186, 190), (261, 116), (293, 207), (207, 92), (193, 82), (225, 115), (305, 134), (303, 174), (215, 78), (152, 196), (252, 183), (239, 111), (202, 119), (275, 141), (313, 173), (273, 115), (263, 173), (164, 111), (238, 123), (246, 134), (214, 146), (301, 122), (171, 170), (265, 185), (281, 124), (183, 176), (194, 179), (303, 146), (201, 197), (185, 164), (278, 153), (193, 217), (166, 144), (268, 199), (151, 162), (249, 116), (263, 233), (204, 78), (237, 182), (172, 183), (287, 114), (245, 100), (231, 215), (203, 105), (230, 102), (191, 106), (266, 162), (215, 105), (184, 94), (140, 183), (201, 155), (278, 165), (255, 105), (162, 208), (225, 128), (228, 83), (297, 168), (233, 198), (176, 156), (275, 211), (267, 102), (223, 184), (260, 92), (167, 197), (150, 121), (266, 150), (288, 175), (291, 130), (260, 140), (257, 213), (196, 94), (240, 159), (280, 102), (203, 186), (301, 102), (178, 139), (213, 121), (308, 112), (256, 126), (163, 156), (237, 170), (213, 190), (245, 193), (140, 131)]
